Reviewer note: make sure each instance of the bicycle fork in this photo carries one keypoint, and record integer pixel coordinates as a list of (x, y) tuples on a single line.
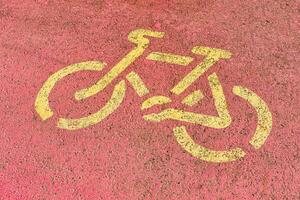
[(137, 37)]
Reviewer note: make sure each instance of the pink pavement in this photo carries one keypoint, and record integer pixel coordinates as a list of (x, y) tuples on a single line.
[(124, 156)]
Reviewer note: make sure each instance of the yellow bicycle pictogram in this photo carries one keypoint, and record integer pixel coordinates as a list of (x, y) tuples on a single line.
[(140, 38)]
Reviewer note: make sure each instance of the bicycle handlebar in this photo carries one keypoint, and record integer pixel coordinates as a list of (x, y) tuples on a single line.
[(138, 36)]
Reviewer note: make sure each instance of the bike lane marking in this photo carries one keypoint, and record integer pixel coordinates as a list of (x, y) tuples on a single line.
[(137, 37), (223, 119), (170, 58), (42, 106), (112, 104), (193, 98), (212, 55), (137, 84), (264, 116), (156, 100), (203, 153)]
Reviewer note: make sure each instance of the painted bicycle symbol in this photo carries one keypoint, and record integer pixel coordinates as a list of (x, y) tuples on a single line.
[(140, 38)]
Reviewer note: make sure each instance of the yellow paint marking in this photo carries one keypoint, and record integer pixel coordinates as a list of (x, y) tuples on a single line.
[(211, 52), (137, 84), (136, 36), (193, 98), (42, 106), (264, 123), (170, 58), (194, 118), (203, 153), (212, 56), (156, 100), (114, 102), (222, 121)]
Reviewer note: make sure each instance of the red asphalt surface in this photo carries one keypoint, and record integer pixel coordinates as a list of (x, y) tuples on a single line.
[(124, 156)]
